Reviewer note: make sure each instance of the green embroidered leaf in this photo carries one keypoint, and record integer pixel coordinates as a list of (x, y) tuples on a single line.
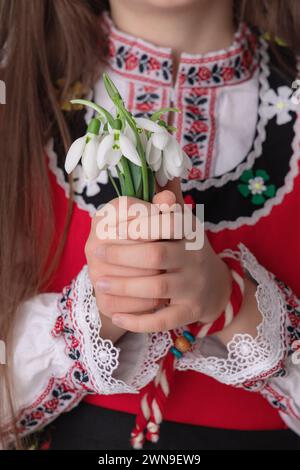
[(270, 191), (244, 190), (263, 174), (258, 199), (247, 175)]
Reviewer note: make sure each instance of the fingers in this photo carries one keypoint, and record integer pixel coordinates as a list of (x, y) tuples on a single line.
[(160, 226), (110, 304), (164, 197), (175, 187), (124, 208), (163, 286), (132, 219), (155, 256), (165, 319)]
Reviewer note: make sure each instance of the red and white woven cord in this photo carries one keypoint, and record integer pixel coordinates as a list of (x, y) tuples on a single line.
[(153, 402)]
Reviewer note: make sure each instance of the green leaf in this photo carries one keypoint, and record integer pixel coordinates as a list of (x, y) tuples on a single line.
[(258, 199), (111, 88), (113, 182), (97, 108), (136, 174), (244, 190), (151, 180), (270, 191), (122, 183), (264, 175), (155, 116), (139, 191), (247, 175)]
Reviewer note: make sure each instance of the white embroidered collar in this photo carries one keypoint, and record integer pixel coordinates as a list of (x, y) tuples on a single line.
[(142, 61)]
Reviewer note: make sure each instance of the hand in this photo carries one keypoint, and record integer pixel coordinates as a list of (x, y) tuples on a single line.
[(99, 267), (195, 284)]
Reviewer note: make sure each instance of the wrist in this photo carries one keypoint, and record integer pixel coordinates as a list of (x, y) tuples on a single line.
[(109, 330), (220, 290)]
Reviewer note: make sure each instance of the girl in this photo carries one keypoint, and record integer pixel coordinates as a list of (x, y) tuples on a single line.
[(77, 313)]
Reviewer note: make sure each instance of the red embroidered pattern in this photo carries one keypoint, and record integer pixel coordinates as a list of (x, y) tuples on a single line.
[(277, 400), (58, 397), (198, 135), (140, 61), (61, 394), (144, 100)]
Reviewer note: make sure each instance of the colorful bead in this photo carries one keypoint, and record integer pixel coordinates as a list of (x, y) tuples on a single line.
[(191, 338), (176, 353), (182, 344)]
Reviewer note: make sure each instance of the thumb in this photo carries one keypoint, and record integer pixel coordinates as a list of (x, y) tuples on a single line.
[(163, 194)]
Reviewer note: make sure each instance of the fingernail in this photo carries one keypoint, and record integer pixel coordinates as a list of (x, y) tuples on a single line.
[(100, 252), (117, 320), (102, 285)]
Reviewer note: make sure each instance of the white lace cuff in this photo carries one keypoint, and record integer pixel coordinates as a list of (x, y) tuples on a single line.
[(249, 360), (59, 355), (107, 369), (282, 390)]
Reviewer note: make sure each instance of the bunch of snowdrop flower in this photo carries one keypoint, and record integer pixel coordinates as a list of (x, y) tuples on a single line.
[(140, 149)]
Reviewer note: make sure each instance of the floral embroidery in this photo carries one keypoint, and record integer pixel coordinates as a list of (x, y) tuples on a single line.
[(279, 105), (132, 60), (278, 401), (59, 396), (143, 61), (222, 72), (255, 185), (197, 107), (293, 312), (146, 101), (58, 327), (64, 326)]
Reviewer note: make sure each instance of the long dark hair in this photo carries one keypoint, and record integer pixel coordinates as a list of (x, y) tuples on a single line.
[(41, 42)]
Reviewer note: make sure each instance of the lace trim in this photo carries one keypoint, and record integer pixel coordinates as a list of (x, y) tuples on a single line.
[(249, 358), (100, 356), (157, 347)]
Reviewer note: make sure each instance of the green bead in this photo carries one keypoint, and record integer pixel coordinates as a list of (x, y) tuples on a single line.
[(191, 338), (176, 353)]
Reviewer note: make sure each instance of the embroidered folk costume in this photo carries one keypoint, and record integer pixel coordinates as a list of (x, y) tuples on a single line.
[(240, 129)]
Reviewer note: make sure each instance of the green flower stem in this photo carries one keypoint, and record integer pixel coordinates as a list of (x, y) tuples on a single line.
[(118, 102), (156, 116), (139, 146), (97, 108), (94, 126), (111, 88), (127, 176), (113, 183), (144, 170)]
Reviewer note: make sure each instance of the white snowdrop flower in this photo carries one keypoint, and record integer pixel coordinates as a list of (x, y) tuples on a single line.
[(85, 148), (163, 153), (113, 146)]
